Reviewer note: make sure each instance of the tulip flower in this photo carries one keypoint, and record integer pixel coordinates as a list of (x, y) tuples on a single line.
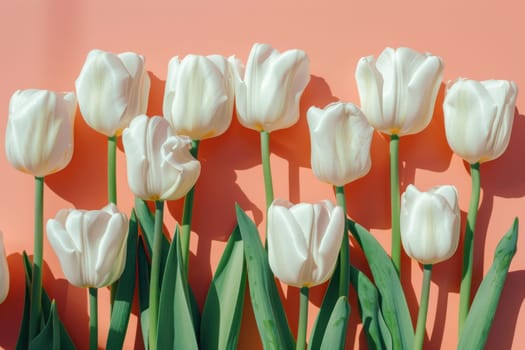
[(112, 89), (198, 99), (90, 245), (304, 241), (430, 223), (159, 163), (4, 271), (39, 133), (340, 139), (479, 117), (398, 89), (268, 90)]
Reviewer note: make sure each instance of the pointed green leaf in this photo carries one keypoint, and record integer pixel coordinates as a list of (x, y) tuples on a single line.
[(125, 290), (144, 268), (22, 342), (335, 334), (49, 336), (479, 319), (393, 302), (222, 312), (377, 337), (267, 306)]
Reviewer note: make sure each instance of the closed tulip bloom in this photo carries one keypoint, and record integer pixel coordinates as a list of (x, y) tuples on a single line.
[(269, 88), (159, 163), (304, 241), (112, 89), (430, 223), (340, 140), (479, 117), (39, 133), (198, 99), (90, 245), (398, 90), (4, 271)]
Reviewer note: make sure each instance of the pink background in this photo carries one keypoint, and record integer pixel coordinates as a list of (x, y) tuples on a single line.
[(44, 45)]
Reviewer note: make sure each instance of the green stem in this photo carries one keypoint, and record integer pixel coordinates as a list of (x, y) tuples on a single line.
[(267, 171), (468, 252), (344, 253), (187, 214), (112, 172), (93, 318), (154, 287), (394, 201), (38, 259), (303, 319), (423, 308)]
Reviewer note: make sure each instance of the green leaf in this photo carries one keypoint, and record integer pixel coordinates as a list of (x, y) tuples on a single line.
[(377, 334), (268, 309), (143, 281), (49, 336), (125, 290), (479, 319), (175, 325), (222, 312), (393, 302), (335, 335), (323, 317)]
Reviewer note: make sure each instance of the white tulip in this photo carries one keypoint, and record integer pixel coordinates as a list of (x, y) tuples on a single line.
[(39, 133), (4, 271), (268, 90), (399, 89), (430, 223), (90, 245), (479, 117), (198, 98), (112, 90), (159, 163), (304, 241), (340, 140)]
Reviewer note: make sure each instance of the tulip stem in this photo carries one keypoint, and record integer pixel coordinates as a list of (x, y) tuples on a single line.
[(344, 253), (187, 214), (303, 319), (394, 201), (468, 252), (93, 318), (36, 282), (154, 287), (112, 170), (423, 308), (267, 171)]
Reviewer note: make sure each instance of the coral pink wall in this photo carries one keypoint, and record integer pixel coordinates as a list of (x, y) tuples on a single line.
[(44, 45)]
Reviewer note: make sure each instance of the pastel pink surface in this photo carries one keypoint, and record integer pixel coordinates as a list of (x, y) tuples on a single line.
[(45, 44)]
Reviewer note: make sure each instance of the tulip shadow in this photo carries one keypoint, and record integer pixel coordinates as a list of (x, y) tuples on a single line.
[(72, 305)]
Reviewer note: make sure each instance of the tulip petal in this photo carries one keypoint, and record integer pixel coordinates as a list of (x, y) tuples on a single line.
[(4, 271)]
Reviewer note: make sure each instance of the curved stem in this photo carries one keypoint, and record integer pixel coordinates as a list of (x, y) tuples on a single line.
[(423, 308), (154, 287), (112, 170), (344, 253), (267, 171), (394, 201), (93, 318), (38, 258), (187, 214), (303, 319), (468, 252)]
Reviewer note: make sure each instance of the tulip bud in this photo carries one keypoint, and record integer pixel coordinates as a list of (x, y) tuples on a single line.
[(198, 99), (39, 134), (399, 89), (90, 245), (268, 91), (340, 139), (4, 271), (479, 117), (112, 90), (304, 241), (430, 223), (159, 163)]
